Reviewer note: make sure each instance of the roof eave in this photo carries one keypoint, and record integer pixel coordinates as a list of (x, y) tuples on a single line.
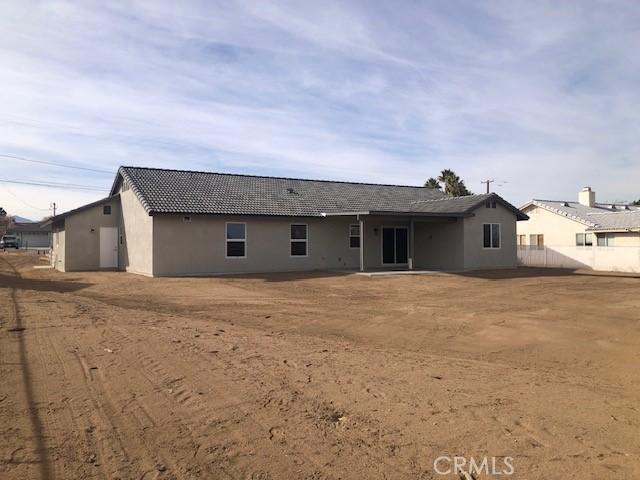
[(420, 214), (614, 229), (64, 215), (551, 209), (520, 215), (122, 173)]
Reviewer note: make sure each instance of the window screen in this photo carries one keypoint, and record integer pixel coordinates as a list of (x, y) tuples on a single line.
[(236, 240), (491, 235), (354, 235), (298, 240)]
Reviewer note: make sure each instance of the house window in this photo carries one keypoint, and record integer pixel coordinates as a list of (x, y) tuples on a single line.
[(584, 239), (186, 218), (354, 235), (298, 239), (491, 235), (490, 204), (236, 240), (522, 240), (536, 240), (106, 210), (605, 240)]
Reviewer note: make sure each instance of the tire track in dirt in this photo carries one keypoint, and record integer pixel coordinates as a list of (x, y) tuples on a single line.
[(129, 418), (248, 423), (114, 437), (37, 424), (279, 399)]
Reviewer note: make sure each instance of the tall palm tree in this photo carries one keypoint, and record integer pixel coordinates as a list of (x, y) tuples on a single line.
[(453, 184), (432, 183)]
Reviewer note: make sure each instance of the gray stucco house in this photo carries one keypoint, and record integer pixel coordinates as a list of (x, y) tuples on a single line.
[(160, 222)]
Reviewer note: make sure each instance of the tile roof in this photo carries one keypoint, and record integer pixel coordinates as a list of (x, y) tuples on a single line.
[(599, 217), (180, 191)]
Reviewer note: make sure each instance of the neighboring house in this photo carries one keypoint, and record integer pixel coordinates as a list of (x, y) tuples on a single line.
[(582, 233), (31, 234), (171, 222)]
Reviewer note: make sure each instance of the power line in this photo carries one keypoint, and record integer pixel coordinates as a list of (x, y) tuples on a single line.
[(22, 201), (70, 186), (53, 164)]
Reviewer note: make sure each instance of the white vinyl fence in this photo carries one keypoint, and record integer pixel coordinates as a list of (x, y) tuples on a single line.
[(614, 259)]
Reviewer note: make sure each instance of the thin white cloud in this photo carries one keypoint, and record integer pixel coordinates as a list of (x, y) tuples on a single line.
[(542, 95)]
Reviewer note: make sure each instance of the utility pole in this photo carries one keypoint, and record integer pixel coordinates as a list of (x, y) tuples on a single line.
[(53, 207), (488, 182)]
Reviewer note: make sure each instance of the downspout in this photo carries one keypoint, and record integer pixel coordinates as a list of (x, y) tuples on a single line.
[(361, 221), (411, 244)]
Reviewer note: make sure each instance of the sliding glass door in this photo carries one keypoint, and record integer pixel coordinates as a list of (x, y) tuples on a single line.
[(395, 245)]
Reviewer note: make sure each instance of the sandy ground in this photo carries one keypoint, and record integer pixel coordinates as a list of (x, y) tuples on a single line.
[(316, 376)]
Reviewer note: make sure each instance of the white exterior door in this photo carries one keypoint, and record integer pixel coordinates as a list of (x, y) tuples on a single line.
[(108, 247)]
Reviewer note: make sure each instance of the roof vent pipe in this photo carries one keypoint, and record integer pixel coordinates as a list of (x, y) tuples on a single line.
[(587, 197)]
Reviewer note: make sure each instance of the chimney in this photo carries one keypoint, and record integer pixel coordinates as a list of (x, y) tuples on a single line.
[(587, 197)]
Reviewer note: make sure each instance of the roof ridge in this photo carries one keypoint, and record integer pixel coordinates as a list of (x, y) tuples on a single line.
[(275, 177), (618, 204), (451, 197), (557, 201)]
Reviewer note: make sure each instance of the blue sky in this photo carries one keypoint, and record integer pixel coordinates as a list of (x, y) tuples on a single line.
[(542, 96)]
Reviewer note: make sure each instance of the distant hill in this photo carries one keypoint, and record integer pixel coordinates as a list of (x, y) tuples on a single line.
[(19, 219)]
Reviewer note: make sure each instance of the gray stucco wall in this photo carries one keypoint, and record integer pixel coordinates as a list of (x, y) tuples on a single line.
[(439, 245), (477, 257), (136, 228), (198, 247), (82, 236)]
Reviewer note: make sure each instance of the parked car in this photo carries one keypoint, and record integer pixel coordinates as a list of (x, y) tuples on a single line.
[(9, 241)]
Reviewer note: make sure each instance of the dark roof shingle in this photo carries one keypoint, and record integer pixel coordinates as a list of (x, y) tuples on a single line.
[(180, 191)]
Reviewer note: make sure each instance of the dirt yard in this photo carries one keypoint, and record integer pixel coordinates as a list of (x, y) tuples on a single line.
[(317, 376)]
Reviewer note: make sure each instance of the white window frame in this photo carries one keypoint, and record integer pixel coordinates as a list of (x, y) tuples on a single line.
[(491, 236), (306, 240), (584, 239), (235, 240), (359, 236), (536, 245), (609, 238)]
